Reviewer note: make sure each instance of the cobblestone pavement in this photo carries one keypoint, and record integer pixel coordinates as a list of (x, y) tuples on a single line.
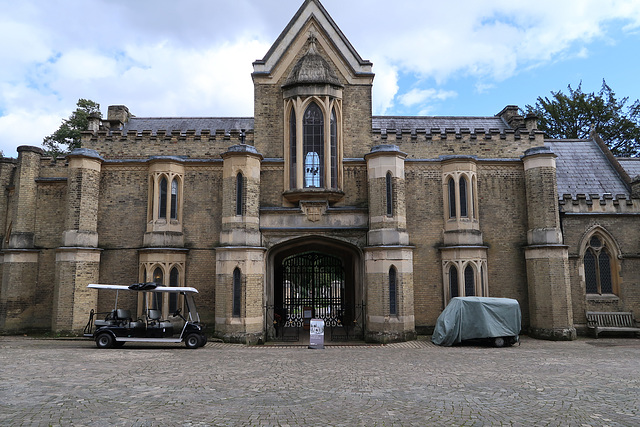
[(70, 382)]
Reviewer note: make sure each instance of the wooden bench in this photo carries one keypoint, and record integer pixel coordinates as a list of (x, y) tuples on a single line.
[(615, 321)]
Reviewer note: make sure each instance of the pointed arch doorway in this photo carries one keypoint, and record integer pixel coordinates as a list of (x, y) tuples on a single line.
[(318, 279)]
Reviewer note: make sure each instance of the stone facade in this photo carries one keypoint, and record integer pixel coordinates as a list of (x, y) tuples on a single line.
[(370, 222)]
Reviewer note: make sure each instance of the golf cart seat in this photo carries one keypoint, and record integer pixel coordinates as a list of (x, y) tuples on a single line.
[(155, 322), (109, 320)]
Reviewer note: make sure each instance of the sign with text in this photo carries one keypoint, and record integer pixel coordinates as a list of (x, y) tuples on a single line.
[(316, 334)]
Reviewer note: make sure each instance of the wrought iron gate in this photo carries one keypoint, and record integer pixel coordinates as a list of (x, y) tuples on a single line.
[(312, 284)]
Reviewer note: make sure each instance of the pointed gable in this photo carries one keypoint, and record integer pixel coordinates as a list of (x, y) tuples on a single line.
[(312, 18)]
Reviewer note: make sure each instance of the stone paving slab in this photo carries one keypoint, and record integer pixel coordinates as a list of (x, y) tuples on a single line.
[(539, 383)]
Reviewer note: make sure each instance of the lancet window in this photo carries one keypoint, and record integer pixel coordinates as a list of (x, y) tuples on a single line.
[(313, 144), (465, 279), (166, 184), (599, 264)]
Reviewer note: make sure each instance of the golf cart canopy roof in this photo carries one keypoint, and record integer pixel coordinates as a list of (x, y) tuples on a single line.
[(174, 289)]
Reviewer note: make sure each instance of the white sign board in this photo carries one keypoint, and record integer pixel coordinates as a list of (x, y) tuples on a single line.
[(316, 333)]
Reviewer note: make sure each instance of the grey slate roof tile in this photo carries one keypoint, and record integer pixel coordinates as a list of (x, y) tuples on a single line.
[(631, 165), (582, 168), (428, 123), (184, 124)]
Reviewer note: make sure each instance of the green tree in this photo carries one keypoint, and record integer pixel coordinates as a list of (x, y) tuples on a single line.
[(69, 134), (573, 115)]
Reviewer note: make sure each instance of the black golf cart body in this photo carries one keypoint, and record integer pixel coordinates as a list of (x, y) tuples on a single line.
[(116, 327), (494, 320)]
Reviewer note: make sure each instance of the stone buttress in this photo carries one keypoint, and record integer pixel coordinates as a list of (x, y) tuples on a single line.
[(18, 297), (78, 258), (388, 256), (240, 261), (547, 257)]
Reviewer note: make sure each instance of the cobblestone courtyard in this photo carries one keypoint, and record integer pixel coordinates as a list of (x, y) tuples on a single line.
[(71, 382)]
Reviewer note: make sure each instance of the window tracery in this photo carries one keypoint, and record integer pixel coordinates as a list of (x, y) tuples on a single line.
[(599, 264)]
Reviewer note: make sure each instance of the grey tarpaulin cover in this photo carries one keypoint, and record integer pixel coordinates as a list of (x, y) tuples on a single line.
[(467, 318)]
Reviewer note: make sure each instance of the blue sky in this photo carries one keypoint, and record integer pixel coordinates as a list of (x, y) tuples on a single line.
[(193, 57)]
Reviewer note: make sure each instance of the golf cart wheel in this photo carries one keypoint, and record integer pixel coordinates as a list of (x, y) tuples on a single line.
[(192, 341), (105, 340), (499, 342)]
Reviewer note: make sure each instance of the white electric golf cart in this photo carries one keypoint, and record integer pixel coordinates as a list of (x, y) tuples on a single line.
[(116, 327)]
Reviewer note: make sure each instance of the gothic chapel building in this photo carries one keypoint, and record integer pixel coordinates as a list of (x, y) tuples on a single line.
[(314, 207)]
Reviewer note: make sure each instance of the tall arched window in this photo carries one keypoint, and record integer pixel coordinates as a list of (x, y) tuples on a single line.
[(469, 282), (174, 280), (239, 193), (393, 291), (313, 146), (452, 198), (453, 282), (174, 198), (597, 267), (237, 289), (334, 150), (389, 194), (463, 197), (293, 166), (162, 209), (474, 184), (156, 301)]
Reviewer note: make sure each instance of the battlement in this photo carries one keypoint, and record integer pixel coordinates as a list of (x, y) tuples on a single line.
[(417, 134), (599, 203), (432, 142), (134, 143)]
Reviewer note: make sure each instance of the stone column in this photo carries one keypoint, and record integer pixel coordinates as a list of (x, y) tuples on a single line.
[(388, 248), (78, 258), (20, 260), (547, 258), (241, 248)]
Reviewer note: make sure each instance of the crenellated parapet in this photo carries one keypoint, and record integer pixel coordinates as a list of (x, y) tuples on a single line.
[(432, 142), (141, 144), (599, 203)]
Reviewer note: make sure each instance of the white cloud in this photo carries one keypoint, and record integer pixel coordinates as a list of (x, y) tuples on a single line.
[(420, 96), (22, 127), (163, 58), (385, 87)]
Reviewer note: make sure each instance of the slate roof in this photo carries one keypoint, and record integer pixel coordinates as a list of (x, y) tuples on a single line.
[(582, 168), (443, 122), (631, 165), (184, 124), (427, 123)]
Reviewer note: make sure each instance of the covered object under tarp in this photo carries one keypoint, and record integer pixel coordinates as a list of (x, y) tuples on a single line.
[(466, 318)]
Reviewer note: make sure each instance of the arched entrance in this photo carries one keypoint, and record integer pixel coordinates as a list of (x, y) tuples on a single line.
[(314, 278)]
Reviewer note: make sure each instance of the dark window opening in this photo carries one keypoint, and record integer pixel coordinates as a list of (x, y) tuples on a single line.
[(237, 289), (452, 198), (453, 282), (469, 282), (174, 281), (156, 301), (393, 290), (597, 268), (389, 194), (162, 209), (463, 197), (239, 194)]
